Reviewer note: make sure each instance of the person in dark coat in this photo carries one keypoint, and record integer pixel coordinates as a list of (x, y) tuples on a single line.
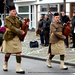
[(40, 30), (65, 19), (73, 29), (1, 34), (46, 28)]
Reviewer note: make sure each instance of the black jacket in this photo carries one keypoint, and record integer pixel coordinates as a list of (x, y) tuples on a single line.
[(73, 23), (0, 23), (40, 26), (46, 24), (64, 19)]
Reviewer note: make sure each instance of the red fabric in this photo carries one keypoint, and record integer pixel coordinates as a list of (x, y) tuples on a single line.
[(20, 59), (5, 58), (11, 5), (3, 29), (50, 56), (14, 22), (64, 56), (55, 12)]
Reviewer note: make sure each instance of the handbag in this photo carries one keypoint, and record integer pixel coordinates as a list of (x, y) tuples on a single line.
[(33, 44), (37, 31)]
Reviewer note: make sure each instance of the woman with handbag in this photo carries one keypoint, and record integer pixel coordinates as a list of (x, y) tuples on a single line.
[(40, 29)]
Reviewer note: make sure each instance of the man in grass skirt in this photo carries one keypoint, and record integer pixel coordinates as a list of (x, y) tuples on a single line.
[(56, 46), (12, 43)]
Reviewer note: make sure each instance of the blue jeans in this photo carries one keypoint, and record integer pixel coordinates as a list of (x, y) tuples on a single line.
[(66, 41), (42, 39)]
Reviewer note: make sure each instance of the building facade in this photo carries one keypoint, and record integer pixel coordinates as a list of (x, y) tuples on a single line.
[(32, 9)]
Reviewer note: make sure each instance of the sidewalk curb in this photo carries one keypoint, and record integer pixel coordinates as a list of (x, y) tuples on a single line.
[(44, 59)]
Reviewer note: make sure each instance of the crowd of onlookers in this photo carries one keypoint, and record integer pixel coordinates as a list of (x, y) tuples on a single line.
[(44, 29)]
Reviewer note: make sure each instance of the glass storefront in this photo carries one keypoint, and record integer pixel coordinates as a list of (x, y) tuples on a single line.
[(53, 7), (32, 17), (67, 9), (61, 7), (23, 9), (27, 12), (24, 16), (43, 8)]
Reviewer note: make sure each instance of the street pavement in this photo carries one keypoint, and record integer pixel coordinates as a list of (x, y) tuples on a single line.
[(33, 67)]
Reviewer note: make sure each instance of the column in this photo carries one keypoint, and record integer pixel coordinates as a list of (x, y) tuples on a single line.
[(36, 17)]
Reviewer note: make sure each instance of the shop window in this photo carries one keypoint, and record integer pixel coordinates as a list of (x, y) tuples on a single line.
[(24, 16), (33, 24), (43, 8), (53, 7), (61, 7), (32, 8), (23, 9)]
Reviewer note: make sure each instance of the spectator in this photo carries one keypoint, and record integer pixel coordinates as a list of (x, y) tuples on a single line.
[(65, 19), (73, 29), (46, 28), (40, 30)]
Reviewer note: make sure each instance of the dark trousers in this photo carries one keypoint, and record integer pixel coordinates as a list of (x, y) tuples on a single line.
[(46, 36), (42, 39), (61, 57), (73, 39), (66, 41)]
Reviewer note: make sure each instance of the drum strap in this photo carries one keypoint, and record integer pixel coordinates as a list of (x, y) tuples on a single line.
[(7, 29)]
